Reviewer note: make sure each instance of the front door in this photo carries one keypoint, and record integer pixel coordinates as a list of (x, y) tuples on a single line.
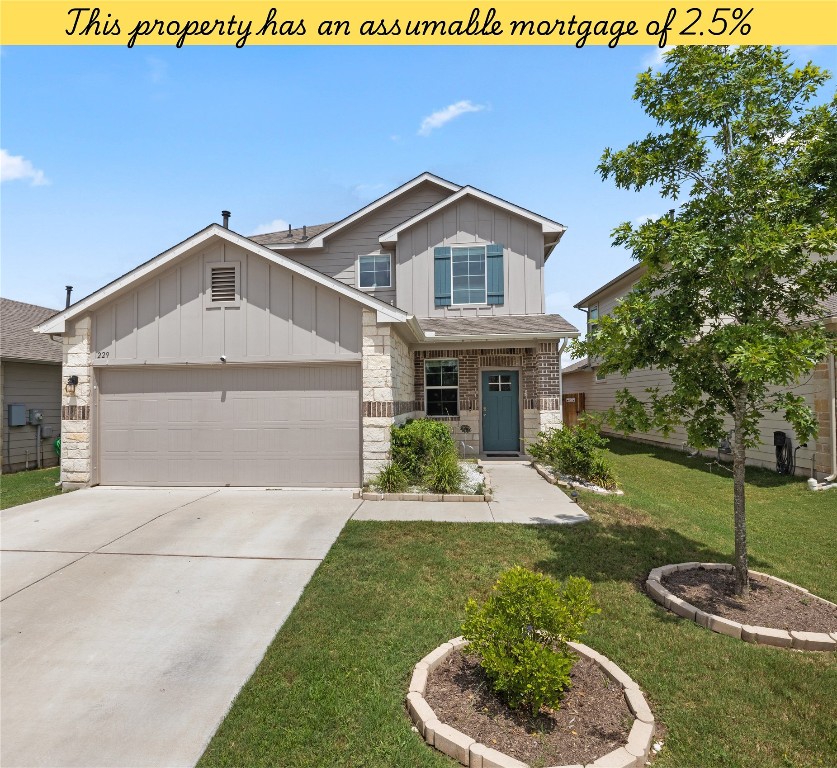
[(500, 411)]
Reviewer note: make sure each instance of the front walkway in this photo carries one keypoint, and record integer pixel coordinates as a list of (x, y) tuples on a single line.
[(521, 495)]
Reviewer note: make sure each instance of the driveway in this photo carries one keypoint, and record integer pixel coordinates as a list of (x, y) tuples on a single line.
[(132, 617)]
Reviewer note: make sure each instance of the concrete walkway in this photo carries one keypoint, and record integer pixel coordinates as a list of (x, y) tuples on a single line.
[(521, 495), (132, 617)]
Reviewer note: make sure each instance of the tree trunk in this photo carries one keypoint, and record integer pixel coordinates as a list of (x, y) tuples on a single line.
[(742, 579)]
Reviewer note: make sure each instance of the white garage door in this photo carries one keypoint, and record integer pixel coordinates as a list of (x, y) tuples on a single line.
[(273, 426)]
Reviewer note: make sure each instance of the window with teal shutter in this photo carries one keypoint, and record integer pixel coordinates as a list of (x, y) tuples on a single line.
[(494, 267), (441, 276)]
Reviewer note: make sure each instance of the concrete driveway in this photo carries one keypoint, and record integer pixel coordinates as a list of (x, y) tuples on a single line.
[(132, 617)]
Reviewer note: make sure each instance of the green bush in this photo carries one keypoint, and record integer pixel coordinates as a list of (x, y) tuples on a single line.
[(391, 479), (442, 474), (415, 443), (520, 635), (575, 451)]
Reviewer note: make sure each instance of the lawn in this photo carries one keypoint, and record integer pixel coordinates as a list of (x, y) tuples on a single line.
[(21, 487), (331, 687)]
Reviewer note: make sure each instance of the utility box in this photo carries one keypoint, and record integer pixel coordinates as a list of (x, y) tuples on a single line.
[(35, 416), (47, 432), (17, 415)]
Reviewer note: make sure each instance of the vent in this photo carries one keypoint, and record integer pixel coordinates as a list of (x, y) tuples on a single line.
[(223, 281)]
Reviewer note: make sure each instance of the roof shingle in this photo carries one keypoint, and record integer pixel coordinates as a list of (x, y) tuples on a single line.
[(292, 236), (18, 341), (502, 325)]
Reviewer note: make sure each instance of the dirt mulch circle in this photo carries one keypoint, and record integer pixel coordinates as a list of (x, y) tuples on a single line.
[(592, 721), (768, 604)]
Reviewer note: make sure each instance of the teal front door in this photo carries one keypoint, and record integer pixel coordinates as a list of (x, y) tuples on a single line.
[(500, 411)]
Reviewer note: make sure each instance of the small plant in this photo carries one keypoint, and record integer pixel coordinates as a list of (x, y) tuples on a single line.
[(443, 474), (391, 479), (575, 451), (520, 635)]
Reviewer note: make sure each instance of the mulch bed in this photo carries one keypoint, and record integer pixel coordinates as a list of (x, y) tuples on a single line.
[(767, 605), (592, 721)]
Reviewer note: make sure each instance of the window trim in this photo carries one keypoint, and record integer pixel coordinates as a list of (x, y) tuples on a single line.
[(599, 377), (484, 303), (372, 287), (441, 386), (592, 324)]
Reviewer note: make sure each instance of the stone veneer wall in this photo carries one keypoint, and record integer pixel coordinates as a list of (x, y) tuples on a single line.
[(822, 409), (76, 445), (539, 371), (388, 394)]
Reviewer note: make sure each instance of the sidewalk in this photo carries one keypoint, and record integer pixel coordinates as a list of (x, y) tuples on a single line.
[(521, 495)]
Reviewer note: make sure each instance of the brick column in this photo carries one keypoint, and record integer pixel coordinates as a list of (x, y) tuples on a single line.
[(548, 363), (76, 445)]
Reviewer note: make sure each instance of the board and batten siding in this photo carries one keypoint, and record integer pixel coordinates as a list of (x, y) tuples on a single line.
[(37, 386), (338, 258), (599, 396), (281, 317), (471, 222)]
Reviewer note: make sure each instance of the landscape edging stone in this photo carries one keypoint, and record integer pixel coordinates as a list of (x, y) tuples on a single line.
[(777, 638), (473, 754)]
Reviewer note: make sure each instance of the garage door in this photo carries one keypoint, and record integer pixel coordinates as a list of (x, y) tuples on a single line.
[(277, 426)]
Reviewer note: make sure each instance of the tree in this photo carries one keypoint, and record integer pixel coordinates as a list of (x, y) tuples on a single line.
[(730, 302)]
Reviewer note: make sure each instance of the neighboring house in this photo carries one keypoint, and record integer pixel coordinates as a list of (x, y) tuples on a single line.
[(284, 359), (598, 392), (30, 384)]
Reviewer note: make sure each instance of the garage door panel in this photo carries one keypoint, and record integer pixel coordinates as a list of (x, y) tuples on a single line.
[(279, 426)]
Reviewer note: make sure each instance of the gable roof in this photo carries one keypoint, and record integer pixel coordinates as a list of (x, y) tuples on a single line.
[(57, 323), (18, 341), (296, 236), (578, 365), (324, 231), (632, 272), (549, 226)]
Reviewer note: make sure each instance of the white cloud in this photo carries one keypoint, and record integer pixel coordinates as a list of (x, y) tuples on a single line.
[(656, 58), (15, 167), (443, 116), (277, 225)]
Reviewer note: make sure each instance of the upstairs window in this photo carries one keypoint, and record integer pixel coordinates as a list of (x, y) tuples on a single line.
[(375, 271), (468, 266), (441, 387), (592, 320)]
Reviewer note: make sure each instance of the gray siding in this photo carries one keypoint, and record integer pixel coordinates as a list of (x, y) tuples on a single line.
[(468, 222), (36, 386), (281, 317), (339, 257)]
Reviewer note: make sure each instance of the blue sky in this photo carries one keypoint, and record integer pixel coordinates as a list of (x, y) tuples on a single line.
[(112, 155)]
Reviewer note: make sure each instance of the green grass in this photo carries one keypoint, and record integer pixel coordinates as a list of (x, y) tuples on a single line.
[(21, 487), (331, 687)]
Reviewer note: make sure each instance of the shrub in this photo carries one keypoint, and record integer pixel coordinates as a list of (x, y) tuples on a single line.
[(520, 635), (416, 442), (442, 474), (575, 451), (391, 479)]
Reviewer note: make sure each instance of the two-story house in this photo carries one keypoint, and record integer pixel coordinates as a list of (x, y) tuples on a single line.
[(588, 389), (284, 359)]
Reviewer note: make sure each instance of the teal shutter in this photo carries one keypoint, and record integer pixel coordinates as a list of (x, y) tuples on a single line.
[(441, 275), (494, 273)]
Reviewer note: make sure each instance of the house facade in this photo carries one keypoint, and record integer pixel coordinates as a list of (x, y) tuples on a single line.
[(30, 388), (597, 392), (283, 360)]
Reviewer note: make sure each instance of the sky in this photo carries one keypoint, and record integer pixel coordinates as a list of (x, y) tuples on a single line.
[(112, 155)]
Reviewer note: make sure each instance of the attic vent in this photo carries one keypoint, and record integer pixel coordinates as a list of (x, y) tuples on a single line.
[(223, 283)]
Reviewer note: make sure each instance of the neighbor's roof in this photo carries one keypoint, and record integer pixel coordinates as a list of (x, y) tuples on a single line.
[(552, 326), (583, 304), (18, 341), (578, 365)]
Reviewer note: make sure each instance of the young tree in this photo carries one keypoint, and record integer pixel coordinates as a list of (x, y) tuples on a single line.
[(730, 302)]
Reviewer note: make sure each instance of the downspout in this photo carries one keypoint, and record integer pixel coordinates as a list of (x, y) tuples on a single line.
[(833, 398)]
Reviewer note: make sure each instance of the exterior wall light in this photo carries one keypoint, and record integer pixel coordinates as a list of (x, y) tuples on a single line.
[(70, 386)]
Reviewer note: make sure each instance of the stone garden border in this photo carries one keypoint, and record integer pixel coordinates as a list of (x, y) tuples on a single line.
[(470, 753), (487, 496), (779, 638), (547, 475)]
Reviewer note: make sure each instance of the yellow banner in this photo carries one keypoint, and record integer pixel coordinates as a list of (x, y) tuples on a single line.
[(415, 22)]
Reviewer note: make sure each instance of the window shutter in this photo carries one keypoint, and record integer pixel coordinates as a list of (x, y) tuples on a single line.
[(441, 276), (494, 273)]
